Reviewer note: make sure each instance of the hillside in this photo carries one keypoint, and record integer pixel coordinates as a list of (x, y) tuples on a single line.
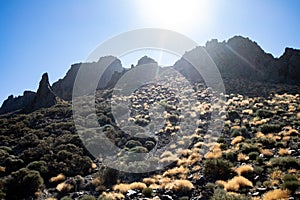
[(242, 144)]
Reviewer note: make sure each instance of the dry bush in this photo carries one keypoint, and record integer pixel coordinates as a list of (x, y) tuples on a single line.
[(276, 174), (58, 178), (149, 181), (137, 186), (97, 181), (180, 185), (64, 187), (112, 196), (283, 152), (176, 170), (237, 140), (242, 157), (122, 187), (244, 169), (235, 183), (277, 194), (260, 135), (266, 152), (215, 153)]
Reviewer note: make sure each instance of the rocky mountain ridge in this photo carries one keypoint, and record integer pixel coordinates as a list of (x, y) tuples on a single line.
[(237, 58)]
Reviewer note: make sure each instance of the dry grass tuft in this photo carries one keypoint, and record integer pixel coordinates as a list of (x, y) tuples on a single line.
[(277, 194), (244, 169), (122, 187), (97, 181), (176, 170), (276, 174), (64, 187), (266, 152), (283, 152), (214, 153), (235, 183), (58, 178), (242, 157), (237, 140), (180, 185), (112, 196), (137, 186), (149, 181)]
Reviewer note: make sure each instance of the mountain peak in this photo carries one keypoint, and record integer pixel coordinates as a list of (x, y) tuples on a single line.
[(146, 60)]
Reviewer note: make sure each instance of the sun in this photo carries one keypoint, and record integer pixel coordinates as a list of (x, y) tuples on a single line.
[(177, 15)]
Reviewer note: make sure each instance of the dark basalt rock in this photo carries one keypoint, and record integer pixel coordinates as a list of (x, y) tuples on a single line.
[(63, 88), (12, 103), (44, 97), (240, 57)]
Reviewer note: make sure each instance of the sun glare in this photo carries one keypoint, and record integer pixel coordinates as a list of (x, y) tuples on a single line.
[(177, 15)]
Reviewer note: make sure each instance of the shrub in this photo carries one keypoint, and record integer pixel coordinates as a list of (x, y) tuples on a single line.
[(291, 185), (231, 156), (137, 186), (26, 182), (147, 192), (262, 113), (40, 166), (221, 194), (270, 128), (215, 169), (66, 198), (180, 186), (276, 194), (88, 197), (244, 169), (253, 155), (122, 187), (285, 162)]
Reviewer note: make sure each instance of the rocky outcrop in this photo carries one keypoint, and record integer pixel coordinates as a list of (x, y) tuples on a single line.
[(240, 57), (12, 104), (31, 101), (44, 97), (63, 88)]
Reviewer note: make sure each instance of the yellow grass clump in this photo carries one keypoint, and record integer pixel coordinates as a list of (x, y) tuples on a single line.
[(244, 169), (64, 187), (277, 194), (237, 140), (58, 178), (214, 153), (266, 152), (176, 170), (260, 135), (112, 196), (122, 187), (242, 157), (137, 186), (276, 174), (282, 151), (96, 181), (149, 181), (298, 115), (180, 185), (235, 183)]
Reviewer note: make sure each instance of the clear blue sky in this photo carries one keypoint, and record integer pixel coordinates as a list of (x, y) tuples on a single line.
[(38, 36)]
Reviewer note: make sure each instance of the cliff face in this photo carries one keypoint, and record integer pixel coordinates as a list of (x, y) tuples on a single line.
[(240, 57), (31, 101), (63, 88), (17, 103)]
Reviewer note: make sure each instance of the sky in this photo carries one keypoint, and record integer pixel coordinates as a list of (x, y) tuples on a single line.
[(38, 36)]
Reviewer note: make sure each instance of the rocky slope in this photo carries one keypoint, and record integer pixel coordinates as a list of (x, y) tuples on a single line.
[(240, 57), (64, 87)]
